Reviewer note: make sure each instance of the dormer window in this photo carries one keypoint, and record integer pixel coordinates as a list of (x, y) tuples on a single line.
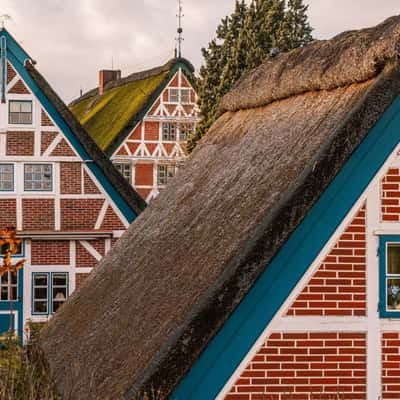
[(20, 112), (174, 95)]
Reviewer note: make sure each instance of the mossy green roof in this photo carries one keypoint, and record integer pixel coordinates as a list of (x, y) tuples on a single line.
[(105, 116)]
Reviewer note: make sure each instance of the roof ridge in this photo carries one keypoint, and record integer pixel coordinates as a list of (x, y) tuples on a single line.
[(350, 57), (135, 76)]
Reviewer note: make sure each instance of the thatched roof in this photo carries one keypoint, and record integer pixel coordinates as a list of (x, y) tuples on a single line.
[(111, 116), (147, 312), (131, 197)]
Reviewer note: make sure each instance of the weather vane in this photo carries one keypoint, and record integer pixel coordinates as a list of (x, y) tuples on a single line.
[(179, 39), (3, 19)]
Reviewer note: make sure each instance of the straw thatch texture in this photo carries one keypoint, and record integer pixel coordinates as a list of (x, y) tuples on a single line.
[(143, 317), (353, 56)]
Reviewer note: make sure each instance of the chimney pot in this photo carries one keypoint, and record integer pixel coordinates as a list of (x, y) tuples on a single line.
[(106, 76)]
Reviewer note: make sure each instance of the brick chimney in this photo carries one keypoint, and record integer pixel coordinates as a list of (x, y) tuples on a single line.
[(106, 76)]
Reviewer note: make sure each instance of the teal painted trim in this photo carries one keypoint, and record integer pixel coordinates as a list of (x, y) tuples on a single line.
[(17, 57), (383, 241), (234, 340), (3, 68), (33, 293)]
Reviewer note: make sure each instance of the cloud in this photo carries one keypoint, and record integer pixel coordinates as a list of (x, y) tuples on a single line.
[(71, 40)]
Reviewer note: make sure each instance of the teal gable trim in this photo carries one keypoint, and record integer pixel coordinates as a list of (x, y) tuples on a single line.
[(17, 57), (232, 343)]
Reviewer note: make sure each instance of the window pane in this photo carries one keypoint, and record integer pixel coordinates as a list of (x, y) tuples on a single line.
[(15, 106), (26, 107), (40, 307), (40, 280), (6, 177), (185, 96), (38, 177), (59, 280), (393, 259), (20, 112), (393, 294), (40, 293), (173, 95)]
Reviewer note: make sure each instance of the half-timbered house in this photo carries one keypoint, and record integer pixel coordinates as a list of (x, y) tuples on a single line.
[(64, 197), (269, 269), (142, 121)]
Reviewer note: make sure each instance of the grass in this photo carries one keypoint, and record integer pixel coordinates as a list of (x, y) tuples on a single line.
[(23, 373)]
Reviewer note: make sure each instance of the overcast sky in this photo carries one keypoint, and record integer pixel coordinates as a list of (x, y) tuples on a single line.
[(72, 39)]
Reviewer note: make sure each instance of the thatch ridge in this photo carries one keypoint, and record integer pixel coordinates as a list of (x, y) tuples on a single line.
[(350, 57)]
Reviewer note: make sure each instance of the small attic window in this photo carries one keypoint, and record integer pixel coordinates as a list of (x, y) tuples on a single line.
[(185, 96), (20, 112), (173, 96), (125, 170)]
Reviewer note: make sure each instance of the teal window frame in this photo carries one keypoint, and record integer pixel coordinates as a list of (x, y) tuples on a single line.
[(50, 285), (384, 241)]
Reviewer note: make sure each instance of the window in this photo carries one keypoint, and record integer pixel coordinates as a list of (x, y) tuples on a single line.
[(50, 291), (20, 112), (165, 172), (185, 96), (124, 169), (169, 130), (185, 131), (389, 259), (173, 95), (6, 177), (9, 286), (40, 293), (4, 248), (38, 177)]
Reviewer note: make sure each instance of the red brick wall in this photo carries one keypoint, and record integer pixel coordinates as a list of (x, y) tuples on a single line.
[(137, 133), (305, 366), (175, 81), (10, 73), (112, 221), (391, 365), (339, 286), (20, 143), (19, 88), (144, 174), (390, 195), (79, 279), (84, 258), (46, 139), (80, 213), (89, 185), (38, 214), (63, 150), (45, 119), (70, 178), (154, 108), (8, 213), (50, 252), (143, 193), (151, 130)]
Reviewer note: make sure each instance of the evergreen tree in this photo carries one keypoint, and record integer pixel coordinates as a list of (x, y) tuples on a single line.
[(243, 40)]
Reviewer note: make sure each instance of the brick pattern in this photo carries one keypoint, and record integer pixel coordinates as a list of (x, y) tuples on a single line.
[(391, 365), (10, 73), (84, 258), (46, 139), (175, 81), (50, 252), (63, 149), (143, 193), (144, 174), (390, 196), (137, 133), (338, 288), (89, 186), (305, 366), (45, 119), (112, 221), (19, 88), (38, 214), (151, 130), (79, 279), (8, 214), (154, 108), (80, 214), (20, 143), (70, 178)]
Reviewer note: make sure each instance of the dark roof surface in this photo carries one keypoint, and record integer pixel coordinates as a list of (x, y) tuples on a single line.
[(110, 117), (131, 197), (150, 308)]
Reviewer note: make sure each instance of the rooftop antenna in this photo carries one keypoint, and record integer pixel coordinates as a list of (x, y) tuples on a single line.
[(179, 39), (3, 19)]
